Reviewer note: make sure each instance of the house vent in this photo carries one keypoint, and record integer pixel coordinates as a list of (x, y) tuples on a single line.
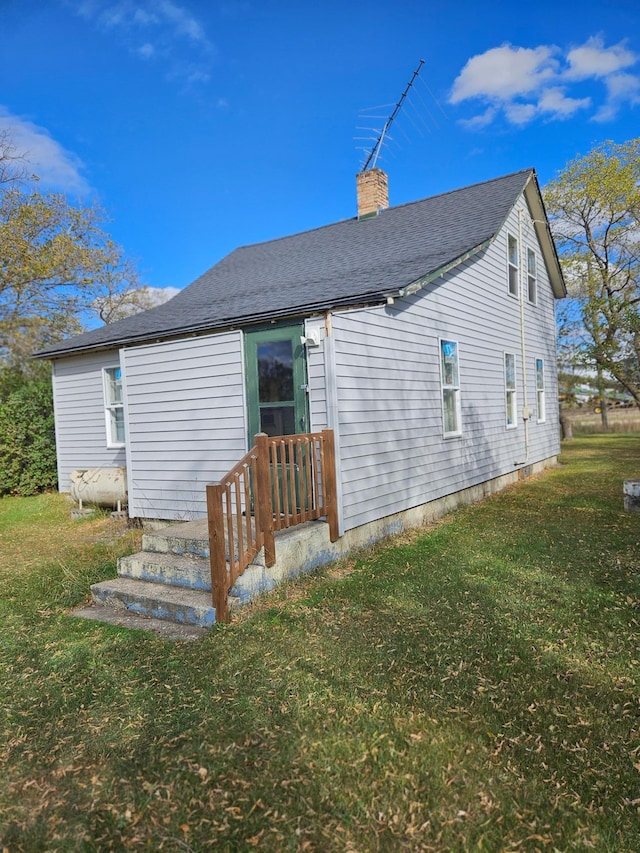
[(373, 192)]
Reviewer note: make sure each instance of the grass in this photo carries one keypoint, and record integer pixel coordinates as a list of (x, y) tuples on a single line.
[(586, 422), (469, 687)]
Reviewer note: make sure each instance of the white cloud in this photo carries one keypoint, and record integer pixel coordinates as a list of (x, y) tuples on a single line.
[(593, 59), (523, 84), (154, 29), (146, 50), (518, 113), (504, 72), (621, 88), (555, 101), (624, 86), (184, 22), (481, 120), (57, 168), (160, 295)]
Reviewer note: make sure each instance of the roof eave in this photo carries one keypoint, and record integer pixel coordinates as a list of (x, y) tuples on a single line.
[(370, 298), (543, 232)]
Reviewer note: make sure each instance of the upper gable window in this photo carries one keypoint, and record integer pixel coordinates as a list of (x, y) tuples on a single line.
[(113, 406), (513, 264), (532, 278), (450, 379)]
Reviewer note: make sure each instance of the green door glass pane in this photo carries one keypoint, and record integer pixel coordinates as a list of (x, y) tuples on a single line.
[(278, 420), (275, 371)]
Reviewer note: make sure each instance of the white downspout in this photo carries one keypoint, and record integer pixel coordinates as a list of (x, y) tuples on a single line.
[(526, 414)]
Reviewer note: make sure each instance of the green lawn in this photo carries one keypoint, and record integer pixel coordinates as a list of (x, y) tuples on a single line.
[(471, 687)]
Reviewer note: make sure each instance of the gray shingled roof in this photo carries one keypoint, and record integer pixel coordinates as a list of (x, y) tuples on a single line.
[(348, 263)]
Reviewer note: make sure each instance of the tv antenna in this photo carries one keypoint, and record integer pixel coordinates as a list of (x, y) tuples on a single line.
[(372, 159)]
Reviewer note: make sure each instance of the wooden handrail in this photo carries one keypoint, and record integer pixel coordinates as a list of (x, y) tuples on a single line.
[(281, 482)]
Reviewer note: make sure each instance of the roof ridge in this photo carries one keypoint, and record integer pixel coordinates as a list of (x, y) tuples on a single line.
[(530, 170)]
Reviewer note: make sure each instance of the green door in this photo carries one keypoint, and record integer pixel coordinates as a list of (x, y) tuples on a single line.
[(276, 371)]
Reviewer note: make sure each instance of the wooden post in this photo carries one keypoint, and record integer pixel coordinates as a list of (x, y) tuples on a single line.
[(329, 483), (262, 501), (218, 558)]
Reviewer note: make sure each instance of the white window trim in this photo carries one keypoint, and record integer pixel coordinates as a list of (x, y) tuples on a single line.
[(531, 254), (541, 408), (515, 266), (109, 406), (455, 388), (513, 391)]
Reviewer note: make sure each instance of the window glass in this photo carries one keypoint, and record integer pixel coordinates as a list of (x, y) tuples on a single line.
[(513, 264), (114, 408), (275, 371), (450, 387), (449, 350), (532, 281), (114, 385), (540, 395), (510, 388), (117, 426)]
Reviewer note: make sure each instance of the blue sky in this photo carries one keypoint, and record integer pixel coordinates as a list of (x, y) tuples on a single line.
[(202, 126)]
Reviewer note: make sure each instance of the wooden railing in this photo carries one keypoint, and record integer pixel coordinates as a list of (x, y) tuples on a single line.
[(281, 482)]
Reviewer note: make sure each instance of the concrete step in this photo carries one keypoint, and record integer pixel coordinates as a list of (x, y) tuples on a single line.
[(127, 619), (158, 600), (189, 537), (188, 571)]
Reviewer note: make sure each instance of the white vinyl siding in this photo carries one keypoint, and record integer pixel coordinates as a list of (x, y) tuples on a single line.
[(388, 391), (186, 424), (511, 402), (513, 264), (316, 377), (79, 401)]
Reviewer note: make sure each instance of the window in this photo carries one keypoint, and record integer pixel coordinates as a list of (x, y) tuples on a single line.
[(510, 390), (532, 281), (542, 413), (450, 377), (513, 264), (114, 409)]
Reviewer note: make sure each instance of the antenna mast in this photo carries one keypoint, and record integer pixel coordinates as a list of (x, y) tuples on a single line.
[(375, 151)]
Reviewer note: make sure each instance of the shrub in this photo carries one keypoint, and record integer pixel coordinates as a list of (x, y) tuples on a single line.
[(27, 440)]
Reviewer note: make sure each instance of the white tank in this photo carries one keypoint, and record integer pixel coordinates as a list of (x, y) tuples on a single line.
[(101, 486)]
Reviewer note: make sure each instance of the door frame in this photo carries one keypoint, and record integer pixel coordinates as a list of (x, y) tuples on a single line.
[(264, 334)]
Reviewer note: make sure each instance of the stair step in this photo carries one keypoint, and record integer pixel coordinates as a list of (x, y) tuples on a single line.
[(191, 537), (184, 538), (127, 619), (172, 603), (188, 571)]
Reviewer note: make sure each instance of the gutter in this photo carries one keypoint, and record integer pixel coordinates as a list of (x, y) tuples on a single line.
[(419, 283), (194, 329)]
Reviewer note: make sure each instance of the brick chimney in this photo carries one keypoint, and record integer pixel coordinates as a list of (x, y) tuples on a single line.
[(373, 192)]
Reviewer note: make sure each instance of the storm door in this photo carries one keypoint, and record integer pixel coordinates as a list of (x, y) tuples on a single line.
[(276, 371)]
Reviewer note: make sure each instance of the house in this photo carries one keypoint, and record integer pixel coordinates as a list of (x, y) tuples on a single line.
[(423, 335)]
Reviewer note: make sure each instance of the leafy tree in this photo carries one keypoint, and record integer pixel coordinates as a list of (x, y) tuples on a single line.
[(58, 267), (56, 263), (594, 208), (27, 440)]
